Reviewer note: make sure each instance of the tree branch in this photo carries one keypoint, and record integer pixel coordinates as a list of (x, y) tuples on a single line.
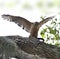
[(31, 46)]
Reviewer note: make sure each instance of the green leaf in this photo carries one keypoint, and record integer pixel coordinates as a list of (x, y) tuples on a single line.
[(43, 32), (52, 31), (57, 44)]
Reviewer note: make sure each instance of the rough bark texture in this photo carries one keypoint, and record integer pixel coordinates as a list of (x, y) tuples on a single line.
[(27, 48)]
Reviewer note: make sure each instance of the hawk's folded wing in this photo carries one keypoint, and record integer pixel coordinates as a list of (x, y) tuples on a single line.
[(25, 24)]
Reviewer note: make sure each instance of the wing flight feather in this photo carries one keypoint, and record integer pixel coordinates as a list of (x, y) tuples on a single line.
[(45, 21), (20, 21)]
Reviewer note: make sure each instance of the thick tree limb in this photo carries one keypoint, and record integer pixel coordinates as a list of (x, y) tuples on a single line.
[(31, 46)]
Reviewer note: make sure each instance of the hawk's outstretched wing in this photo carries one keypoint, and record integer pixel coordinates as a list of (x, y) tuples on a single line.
[(25, 24), (45, 21), (28, 26)]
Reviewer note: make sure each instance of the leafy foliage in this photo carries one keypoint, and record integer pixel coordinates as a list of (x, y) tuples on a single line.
[(51, 33)]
